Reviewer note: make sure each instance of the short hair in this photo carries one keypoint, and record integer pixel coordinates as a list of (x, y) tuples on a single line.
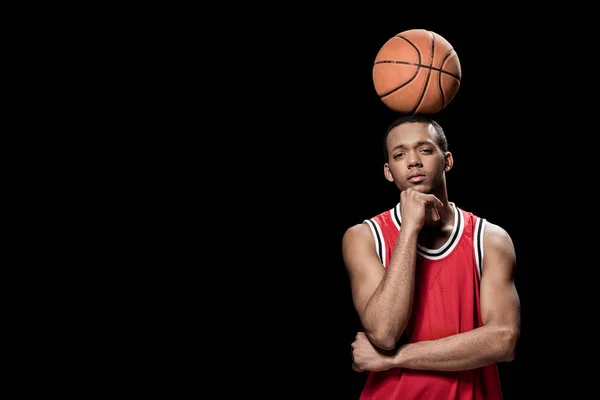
[(442, 142)]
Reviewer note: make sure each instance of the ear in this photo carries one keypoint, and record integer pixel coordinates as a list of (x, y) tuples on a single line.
[(387, 172), (448, 161)]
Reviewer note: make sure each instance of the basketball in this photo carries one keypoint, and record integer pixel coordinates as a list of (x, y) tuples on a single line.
[(417, 72)]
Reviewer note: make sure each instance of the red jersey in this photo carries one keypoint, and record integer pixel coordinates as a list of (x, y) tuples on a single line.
[(446, 302)]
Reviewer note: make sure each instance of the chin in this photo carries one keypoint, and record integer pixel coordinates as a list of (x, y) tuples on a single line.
[(426, 189)]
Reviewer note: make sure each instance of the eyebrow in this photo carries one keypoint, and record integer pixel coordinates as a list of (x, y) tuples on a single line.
[(419, 143)]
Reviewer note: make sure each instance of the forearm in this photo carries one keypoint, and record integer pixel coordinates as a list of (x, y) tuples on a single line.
[(388, 311), (463, 351)]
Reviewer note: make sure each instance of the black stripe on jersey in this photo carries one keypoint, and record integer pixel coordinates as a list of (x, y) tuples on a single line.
[(479, 239), (396, 216), (451, 242), (378, 238)]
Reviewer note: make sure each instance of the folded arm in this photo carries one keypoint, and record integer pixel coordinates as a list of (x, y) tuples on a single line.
[(382, 298), (493, 342)]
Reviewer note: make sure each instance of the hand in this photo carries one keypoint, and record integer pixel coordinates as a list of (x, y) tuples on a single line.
[(367, 357), (415, 206)]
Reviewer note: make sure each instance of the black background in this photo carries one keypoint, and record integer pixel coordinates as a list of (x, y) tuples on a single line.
[(299, 136), (251, 138), (342, 151)]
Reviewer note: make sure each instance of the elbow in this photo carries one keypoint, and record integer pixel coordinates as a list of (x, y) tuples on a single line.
[(383, 341), (385, 335), (387, 344), (507, 344)]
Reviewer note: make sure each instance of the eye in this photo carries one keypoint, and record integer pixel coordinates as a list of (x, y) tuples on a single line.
[(398, 155), (427, 151)]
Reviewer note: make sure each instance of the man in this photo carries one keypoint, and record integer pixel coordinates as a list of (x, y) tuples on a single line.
[(433, 284)]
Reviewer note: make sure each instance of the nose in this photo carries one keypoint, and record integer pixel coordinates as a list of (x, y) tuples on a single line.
[(414, 161)]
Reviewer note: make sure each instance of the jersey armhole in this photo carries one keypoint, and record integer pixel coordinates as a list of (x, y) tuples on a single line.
[(480, 224), (379, 242)]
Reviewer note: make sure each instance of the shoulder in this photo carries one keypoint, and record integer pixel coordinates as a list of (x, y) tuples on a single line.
[(498, 245), (357, 241), (357, 233), (495, 235), (364, 230), (359, 251)]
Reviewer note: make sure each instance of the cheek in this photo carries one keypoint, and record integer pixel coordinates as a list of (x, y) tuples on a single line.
[(396, 174), (439, 165)]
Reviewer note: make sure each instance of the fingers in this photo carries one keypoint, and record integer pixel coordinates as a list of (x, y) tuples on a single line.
[(431, 199), (433, 203), (424, 197), (435, 214), (352, 345)]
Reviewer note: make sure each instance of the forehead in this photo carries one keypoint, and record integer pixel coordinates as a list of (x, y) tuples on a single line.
[(411, 132)]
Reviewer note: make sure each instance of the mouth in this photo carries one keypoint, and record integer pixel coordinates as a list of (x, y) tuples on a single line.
[(416, 178)]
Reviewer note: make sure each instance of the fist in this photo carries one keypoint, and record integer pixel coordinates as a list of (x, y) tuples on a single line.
[(415, 207)]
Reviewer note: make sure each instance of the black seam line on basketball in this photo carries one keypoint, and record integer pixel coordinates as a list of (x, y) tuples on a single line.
[(479, 244), (413, 45), (420, 66), (379, 249), (431, 57), (438, 253), (444, 59), (401, 86), (416, 71)]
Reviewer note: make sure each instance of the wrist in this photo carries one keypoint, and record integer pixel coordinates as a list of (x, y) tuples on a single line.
[(399, 359), (409, 232)]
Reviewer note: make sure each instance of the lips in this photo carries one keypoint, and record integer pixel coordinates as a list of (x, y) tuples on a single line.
[(416, 178)]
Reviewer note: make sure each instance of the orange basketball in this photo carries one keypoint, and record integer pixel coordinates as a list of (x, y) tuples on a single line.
[(417, 72)]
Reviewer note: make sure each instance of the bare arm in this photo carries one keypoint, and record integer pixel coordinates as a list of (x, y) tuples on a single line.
[(382, 298), (495, 341)]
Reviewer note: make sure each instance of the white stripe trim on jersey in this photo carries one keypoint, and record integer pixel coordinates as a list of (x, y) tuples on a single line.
[(395, 214), (480, 224), (453, 239), (446, 249), (436, 254), (379, 242)]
